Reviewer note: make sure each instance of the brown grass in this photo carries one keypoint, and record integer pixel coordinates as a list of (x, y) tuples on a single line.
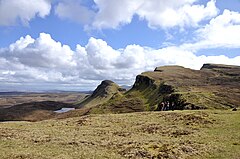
[(178, 134)]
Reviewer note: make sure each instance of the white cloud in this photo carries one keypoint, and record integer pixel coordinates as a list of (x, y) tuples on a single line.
[(12, 11), (100, 55), (45, 61), (73, 10), (112, 14), (158, 13), (168, 14), (42, 52), (222, 32), (128, 58)]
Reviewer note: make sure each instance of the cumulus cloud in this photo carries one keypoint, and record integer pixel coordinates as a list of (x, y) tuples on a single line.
[(46, 61), (111, 14), (222, 32), (12, 11), (42, 52), (158, 13), (176, 13), (75, 11), (100, 55), (41, 60)]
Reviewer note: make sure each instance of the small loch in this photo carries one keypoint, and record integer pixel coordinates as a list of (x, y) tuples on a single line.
[(64, 110)]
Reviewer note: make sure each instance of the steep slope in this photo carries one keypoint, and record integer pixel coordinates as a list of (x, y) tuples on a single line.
[(175, 87), (105, 91)]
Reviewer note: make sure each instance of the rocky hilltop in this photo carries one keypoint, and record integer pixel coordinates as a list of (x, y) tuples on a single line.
[(174, 87), (105, 91)]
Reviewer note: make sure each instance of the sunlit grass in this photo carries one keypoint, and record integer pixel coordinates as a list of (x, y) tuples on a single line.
[(180, 134)]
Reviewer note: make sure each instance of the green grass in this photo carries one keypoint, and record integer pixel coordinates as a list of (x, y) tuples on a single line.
[(177, 134), (225, 136)]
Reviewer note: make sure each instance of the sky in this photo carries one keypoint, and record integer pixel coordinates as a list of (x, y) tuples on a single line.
[(73, 45)]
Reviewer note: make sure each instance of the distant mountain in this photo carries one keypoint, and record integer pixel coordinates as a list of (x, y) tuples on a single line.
[(11, 93), (16, 93), (66, 91)]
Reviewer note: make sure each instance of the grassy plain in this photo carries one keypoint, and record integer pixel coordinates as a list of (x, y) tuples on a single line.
[(175, 134)]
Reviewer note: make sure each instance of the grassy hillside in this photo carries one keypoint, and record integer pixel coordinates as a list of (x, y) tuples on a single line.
[(105, 91), (212, 87), (178, 134)]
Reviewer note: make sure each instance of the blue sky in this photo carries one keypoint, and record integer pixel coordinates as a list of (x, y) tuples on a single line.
[(74, 44)]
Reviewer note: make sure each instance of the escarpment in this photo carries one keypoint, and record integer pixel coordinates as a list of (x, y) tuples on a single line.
[(176, 88)]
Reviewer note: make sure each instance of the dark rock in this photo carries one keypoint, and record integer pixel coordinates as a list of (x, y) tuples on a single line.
[(143, 81)]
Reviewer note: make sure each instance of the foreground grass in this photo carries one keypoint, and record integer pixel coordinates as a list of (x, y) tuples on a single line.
[(178, 134)]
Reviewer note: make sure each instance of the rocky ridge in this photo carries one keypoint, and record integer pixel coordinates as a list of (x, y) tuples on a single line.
[(174, 87)]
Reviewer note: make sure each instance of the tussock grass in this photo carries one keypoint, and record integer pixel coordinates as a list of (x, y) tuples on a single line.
[(177, 134)]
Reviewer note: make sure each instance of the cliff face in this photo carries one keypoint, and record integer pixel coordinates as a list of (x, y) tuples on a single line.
[(143, 81), (214, 86)]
